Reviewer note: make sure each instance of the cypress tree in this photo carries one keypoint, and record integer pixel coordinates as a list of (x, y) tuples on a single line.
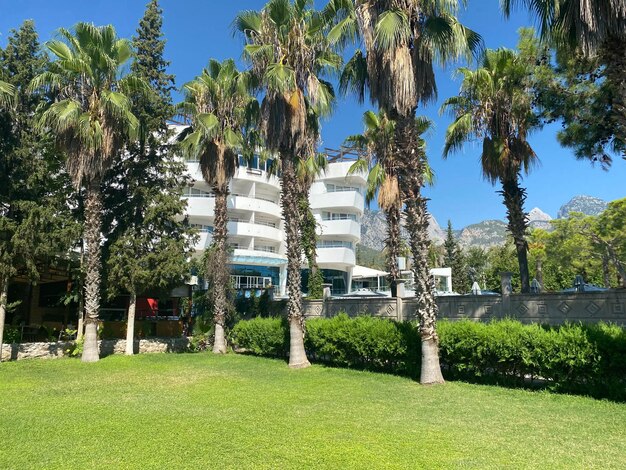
[(453, 258), (149, 238), (35, 218)]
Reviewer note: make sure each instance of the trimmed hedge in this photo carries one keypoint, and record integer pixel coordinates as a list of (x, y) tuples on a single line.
[(585, 359)]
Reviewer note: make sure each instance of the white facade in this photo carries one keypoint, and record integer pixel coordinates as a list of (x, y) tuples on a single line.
[(256, 228)]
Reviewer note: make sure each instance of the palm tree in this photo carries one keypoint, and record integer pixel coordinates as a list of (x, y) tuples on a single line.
[(402, 40), (495, 106), (7, 95), (594, 30), (220, 108), (376, 158), (589, 26), (92, 121), (286, 44)]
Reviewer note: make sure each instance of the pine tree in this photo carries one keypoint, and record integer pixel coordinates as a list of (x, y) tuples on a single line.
[(453, 258), (149, 238), (35, 219)]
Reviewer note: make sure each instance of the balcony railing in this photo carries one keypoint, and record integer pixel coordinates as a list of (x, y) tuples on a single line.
[(251, 282)]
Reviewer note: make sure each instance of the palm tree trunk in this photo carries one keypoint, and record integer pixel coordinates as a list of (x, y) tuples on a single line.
[(289, 197), (130, 325), (220, 276), (80, 328), (392, 244), (4, 293), (93, 222), (514, 197), (411, 183)]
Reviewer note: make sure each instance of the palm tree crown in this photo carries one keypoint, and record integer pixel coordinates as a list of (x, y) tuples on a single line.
[(494, 105), (402, 39), (91, 116), (577, 23), (222, 111)]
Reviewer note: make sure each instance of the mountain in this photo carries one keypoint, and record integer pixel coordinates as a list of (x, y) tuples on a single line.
[(588, 205), (483, 234), (539, 219), (374, 227)]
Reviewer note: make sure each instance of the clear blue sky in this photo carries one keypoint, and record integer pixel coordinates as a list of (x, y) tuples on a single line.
[(197, 30)]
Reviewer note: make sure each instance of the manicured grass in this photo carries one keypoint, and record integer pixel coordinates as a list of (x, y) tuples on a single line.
[(202, 411)]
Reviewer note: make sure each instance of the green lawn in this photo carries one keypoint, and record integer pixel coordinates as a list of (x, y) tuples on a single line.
[(201, 411)]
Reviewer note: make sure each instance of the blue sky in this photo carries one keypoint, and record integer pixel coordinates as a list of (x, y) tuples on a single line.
[(197, 30)]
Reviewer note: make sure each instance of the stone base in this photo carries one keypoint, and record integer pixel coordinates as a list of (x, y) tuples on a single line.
[(16, 352)]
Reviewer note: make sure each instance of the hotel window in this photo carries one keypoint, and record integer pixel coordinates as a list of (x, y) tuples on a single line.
[(202, 228), (193, 192), (337, 188), (334, 244), (338, 216)]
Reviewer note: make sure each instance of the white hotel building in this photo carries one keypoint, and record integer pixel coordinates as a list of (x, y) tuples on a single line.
[(256, 231)]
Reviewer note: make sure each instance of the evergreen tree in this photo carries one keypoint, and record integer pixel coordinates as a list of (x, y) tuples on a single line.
[(453, 258), (149, 239), (35, 220)]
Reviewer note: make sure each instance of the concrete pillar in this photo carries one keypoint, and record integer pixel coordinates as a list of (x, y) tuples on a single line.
[(327, 291), (283, 280), (507, 290), (349, 281), (401, 288)]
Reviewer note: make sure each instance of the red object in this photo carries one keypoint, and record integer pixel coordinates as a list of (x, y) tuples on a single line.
[(147, 307)]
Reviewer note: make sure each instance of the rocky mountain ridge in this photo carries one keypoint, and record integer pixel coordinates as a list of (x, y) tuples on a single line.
[(483, 234)]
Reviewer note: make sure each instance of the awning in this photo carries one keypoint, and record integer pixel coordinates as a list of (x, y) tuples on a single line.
[(362, 272)]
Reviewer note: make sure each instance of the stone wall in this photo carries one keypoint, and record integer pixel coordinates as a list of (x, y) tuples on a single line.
[(552, 309), (107, 347)]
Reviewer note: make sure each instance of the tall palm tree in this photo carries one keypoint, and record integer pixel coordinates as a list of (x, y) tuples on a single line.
[(92, 121), (402, 40), (495, 106), (376, 158), (220, 107), (286, 44)]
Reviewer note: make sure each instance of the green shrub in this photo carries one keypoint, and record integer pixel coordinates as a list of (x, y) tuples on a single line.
[(262, 336), (576, 358), (12, 334)]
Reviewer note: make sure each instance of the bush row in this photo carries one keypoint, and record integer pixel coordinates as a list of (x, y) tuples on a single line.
[(587, 359)]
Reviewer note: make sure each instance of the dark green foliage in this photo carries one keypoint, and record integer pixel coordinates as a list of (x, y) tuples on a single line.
[(574, 358), (149, 239), (453, 258), (369, 257), (35, 193), (257, 306), (262, 336), (365, 342)]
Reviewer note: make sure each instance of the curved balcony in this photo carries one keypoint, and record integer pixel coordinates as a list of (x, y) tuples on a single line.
[(258, 176), (341, 228), (262, 258), (348, 200), (244, 229), (329, 257), (247, 174), (205, 206), (339, 171)]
